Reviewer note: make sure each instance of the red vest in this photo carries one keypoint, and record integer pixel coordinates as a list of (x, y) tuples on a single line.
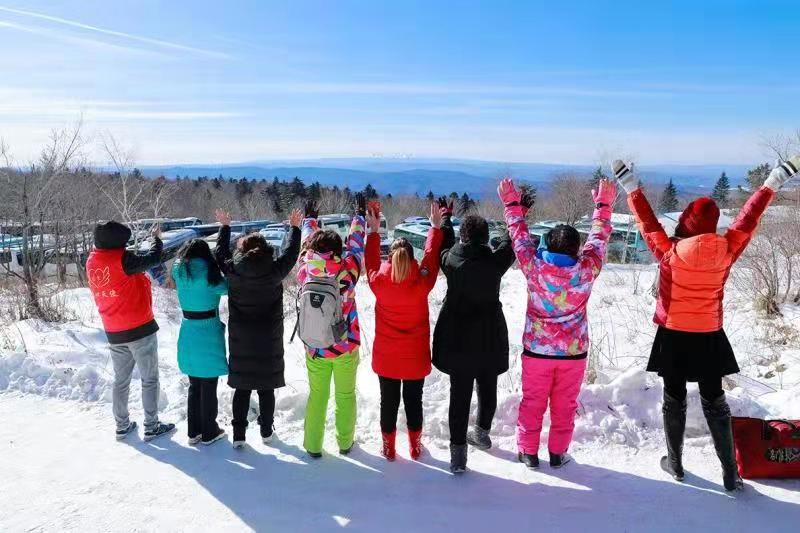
[(124, 302)]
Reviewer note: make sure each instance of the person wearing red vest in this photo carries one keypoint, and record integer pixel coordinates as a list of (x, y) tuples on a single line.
[(124, 300), (690, 344), (401, 354)]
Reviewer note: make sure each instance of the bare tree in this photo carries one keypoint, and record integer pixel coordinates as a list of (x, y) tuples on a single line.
[(568, 198), (126, 191)]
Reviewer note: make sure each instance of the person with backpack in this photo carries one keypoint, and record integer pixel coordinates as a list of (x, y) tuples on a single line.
[(201, 340), (560, 275), (255, 274), (470, 340), (690, 344), (124, 299), (328, 324), (401, 353)]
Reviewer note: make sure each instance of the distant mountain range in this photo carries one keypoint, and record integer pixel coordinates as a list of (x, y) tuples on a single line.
[(442, 176)]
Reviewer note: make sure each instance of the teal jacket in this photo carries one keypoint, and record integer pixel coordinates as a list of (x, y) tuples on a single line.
[(201, 343)]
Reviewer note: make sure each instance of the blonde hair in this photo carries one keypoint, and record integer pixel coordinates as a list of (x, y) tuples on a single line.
[(401, 255)]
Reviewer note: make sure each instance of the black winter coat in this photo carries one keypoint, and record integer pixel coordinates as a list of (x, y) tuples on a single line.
[(255, 324), (471, 336)]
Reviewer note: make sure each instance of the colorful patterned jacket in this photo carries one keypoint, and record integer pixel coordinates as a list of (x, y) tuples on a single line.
[(347, 269), (556, 324)]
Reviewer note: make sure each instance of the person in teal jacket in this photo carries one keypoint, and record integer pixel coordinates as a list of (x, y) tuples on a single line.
[(201, 341)]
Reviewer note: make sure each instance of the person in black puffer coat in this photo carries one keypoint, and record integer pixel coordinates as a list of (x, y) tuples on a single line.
[(470, 341), (255, 325)]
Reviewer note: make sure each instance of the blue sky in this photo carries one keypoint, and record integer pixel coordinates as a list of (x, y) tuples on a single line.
[(569, 82)]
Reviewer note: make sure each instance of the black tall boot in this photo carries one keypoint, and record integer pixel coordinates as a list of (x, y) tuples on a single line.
[(674, 411), (718, 417)]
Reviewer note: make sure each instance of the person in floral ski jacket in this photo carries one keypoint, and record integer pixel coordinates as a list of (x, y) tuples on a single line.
[(560, 276)]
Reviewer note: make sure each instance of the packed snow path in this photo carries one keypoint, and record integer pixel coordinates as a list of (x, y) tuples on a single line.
[(62, 470)]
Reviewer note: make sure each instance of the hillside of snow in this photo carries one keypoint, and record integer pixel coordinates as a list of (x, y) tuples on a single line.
[(61, 469)]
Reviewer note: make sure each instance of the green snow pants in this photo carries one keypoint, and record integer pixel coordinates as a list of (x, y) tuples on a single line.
[(343, 369)]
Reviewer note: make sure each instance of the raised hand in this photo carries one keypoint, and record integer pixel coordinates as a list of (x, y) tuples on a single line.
[(373, 221), (605, 194), (446, 209), (783, 172), (360, 206), (156, 231), (436, 216), (624, 175), (310, 209), (374, 206), (296, 218), (223, 217), (527, 200), (508, 193)]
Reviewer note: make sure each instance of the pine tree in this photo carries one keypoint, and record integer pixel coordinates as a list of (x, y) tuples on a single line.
[(597, 175), (758, 175), (465, 204), (722, 190), (669, 199), (369, 192), (430, 196)]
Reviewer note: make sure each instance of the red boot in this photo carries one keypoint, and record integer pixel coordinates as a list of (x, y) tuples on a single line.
[(415, 443), (388, 446)]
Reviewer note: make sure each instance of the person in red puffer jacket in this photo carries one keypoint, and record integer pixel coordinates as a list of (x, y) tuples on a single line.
[(401, 354), (124, 300)]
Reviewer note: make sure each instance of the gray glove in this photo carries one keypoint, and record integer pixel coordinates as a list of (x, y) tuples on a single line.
[(625, 176), (783, 173)]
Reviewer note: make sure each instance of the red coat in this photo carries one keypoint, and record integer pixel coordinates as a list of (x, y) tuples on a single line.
[(125, 302), (693, 271), (402, 347)]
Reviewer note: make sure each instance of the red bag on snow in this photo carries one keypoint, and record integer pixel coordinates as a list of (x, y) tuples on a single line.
[(767, 448)]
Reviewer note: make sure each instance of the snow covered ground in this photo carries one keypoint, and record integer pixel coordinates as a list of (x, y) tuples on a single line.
[(61, 469)]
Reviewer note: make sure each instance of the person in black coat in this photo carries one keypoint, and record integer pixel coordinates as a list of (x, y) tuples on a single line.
[(470, 341), (255, 324)]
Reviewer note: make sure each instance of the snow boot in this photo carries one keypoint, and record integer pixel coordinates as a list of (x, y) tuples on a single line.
[(674, 412), (557, 460), (122, 433), (718, 417), (346, 451), (194, 441), (219, 436), (458, 458), (388, 449), (479, 438), (267, 433), (415, 443), (158, 430), (528, 459), (238, 444), (314, 455)]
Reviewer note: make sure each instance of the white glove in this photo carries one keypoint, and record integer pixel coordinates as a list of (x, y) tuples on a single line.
[(783, 173), (625, 176)]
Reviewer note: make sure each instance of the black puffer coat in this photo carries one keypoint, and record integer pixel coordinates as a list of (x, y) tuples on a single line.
[(255, 325), (471, 336)]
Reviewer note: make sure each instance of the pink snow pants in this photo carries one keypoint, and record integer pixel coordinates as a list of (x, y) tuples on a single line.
[(559, 382)]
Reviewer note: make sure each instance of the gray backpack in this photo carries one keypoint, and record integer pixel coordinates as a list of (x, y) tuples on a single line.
[(320, 323)]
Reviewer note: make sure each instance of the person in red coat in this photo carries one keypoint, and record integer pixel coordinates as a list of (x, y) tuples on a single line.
[(401, 354)]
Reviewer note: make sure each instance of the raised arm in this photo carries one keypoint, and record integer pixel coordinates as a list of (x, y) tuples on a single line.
[(222, 251), (653, 233), (448, 233), (594, 251), (287, 260), (133, 263), (372, 255), (742, 229), (429, 266), (517, 206)]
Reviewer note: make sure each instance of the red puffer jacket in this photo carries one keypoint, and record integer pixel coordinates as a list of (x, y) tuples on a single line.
[(402, 348)]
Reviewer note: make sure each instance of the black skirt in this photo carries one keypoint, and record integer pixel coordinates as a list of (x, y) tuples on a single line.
[(692, 356)]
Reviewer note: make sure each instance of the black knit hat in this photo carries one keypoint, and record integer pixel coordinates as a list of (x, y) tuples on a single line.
[(110, 235)]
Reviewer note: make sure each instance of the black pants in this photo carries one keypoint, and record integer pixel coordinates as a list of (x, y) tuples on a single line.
[(710, 389), (201, 408), (390, 403), (460, 399), (241, 405)]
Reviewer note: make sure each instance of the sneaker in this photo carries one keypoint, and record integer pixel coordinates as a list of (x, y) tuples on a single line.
[(458, 458), (267, 434), (194, 441), (346, 451), (314, 455), (122, 433), (557, 460), (530, 460), (219, 436), (158, 430), (238, 444), (479, 438)]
